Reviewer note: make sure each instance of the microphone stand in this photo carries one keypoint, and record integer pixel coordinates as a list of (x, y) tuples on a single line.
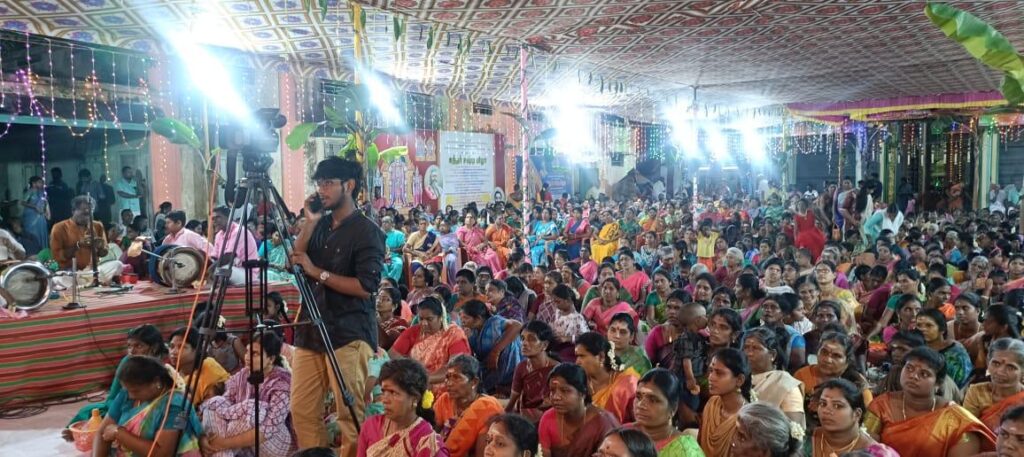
[(92, 244)]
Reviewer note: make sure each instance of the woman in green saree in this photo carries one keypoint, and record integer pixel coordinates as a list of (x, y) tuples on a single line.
[(622, 334), (657, 399), (142, 340), (147, 417)]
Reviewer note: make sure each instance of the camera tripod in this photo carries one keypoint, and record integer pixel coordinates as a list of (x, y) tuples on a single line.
[(257, 182)]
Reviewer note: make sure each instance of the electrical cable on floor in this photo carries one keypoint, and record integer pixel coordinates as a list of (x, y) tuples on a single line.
[(25, 410)]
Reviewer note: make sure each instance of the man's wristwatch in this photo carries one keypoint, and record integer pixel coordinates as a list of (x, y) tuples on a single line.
[(324, 276)]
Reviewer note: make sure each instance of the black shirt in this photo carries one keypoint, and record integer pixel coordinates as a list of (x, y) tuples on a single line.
[(354, 249)]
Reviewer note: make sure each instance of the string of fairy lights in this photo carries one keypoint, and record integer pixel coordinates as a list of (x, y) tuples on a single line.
[(457, 106)]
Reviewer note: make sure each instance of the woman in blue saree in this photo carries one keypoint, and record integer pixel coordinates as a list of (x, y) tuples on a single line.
[(273, 249), (395, 240), (139, 423), (542, 238), (494, 341), (33, 218), (576, 230)]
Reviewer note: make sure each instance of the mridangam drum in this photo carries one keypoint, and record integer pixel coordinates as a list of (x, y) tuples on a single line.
[(28, 283), (187, 267)]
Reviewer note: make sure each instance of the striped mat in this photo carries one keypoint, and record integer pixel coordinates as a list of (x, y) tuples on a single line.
[(56, 353)]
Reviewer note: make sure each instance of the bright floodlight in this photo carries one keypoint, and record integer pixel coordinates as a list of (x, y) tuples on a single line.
[(717, 144), (753, 144), (208, 75), (382, 97), (573, 123)]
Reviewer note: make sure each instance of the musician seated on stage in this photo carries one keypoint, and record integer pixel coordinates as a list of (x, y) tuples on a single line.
[(179, 235), (233, 253), (10, 248), (74, 239)]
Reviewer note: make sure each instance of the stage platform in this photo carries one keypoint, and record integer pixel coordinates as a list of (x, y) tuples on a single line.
[(56, 353)]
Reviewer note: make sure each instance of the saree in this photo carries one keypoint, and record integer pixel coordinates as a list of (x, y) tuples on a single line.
[(382, 438), (483, 341), (655, 301), (460, 432), (575, 231), (584, 442), (393, 262), (630, 228), (589, 271), (633, 357), (637, 284), (115, 388), (34, 222), (147, 419), (539, 247), (979, 402), (716, 431), (810, 377), (932, 434), (212, 374), (449, 256), (601, 250), (659, 348), (778, 388), (233, 413), (471, 238), (278, 260), (433, 351), (595, 313), (532, 387), (499, 236), (679, 446), (567, 327), (617, 396)]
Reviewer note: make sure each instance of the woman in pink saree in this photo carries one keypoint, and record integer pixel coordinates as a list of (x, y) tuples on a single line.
[(599, 311), (475, 242)]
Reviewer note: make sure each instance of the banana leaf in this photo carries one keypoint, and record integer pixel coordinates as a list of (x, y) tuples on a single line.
[(334, 119), (390, 154), (300, 135), (372, 156), (984, 43), (175, 131), (323, 9)]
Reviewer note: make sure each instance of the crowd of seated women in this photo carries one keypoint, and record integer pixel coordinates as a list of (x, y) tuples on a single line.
[(710, 328)]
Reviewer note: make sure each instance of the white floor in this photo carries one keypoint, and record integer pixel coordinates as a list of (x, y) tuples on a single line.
[(39, 435)]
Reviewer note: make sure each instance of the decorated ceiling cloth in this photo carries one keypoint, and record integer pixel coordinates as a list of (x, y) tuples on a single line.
[(737, 52), (893, 108)]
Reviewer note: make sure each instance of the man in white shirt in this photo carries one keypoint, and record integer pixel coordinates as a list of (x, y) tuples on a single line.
[(178, 235), (128, 192), (10, 248)]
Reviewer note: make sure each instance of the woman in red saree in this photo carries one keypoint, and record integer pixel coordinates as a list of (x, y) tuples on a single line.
[(917, 423), (530, 381), (989, 400), (432, 342), (808, 235), (633, 279), (599, 311), (573, 427)]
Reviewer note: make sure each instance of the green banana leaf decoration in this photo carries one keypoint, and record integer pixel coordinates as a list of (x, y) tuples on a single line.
[(983, 42), (175, 131), (300, 135)]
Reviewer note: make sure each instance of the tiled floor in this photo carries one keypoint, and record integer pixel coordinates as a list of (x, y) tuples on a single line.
[(39, 435)]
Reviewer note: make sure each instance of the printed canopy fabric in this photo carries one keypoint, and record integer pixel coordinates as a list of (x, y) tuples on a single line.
[(752, 52)]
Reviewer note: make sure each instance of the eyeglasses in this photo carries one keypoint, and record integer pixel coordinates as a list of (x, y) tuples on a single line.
[(326, 182)]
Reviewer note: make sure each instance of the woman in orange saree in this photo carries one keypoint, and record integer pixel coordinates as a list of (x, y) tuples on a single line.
[(501, 236), (613, 388), (917, 423), (989, 400), (432, 342)]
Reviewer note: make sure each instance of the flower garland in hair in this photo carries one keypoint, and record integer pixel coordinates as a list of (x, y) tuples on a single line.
[(796, 431), (427, 402), (612, 359), (753, 396)]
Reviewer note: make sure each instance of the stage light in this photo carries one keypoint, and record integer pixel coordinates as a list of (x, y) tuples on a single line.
[(573, 124), (382, 97), (753, 145), (717, 144)]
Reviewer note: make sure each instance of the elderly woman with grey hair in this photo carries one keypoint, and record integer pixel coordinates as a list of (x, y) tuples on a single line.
[(732, 267), (989, 400), (763, 430)]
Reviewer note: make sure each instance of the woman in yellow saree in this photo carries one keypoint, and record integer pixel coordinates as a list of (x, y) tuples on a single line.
[(989, 400), (729, 386), (607, 240), (917, 423), (613, 386)]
